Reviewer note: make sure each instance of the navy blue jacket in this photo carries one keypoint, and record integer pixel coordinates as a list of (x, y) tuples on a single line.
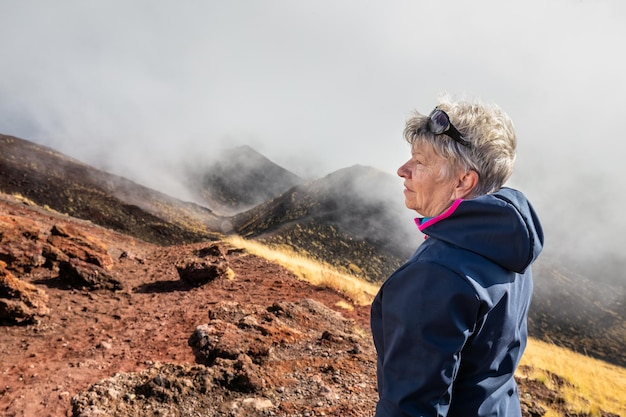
[(449, 326)]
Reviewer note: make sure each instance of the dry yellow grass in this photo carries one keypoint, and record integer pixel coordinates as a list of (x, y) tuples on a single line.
[(357, 290), (593, 385), (24, 199)]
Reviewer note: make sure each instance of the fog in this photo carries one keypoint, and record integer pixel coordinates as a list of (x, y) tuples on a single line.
[(138, 88)]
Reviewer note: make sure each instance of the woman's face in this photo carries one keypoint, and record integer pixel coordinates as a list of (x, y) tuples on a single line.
[(430, 185)]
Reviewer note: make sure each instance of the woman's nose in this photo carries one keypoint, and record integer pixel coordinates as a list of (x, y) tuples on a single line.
[(403, 170)]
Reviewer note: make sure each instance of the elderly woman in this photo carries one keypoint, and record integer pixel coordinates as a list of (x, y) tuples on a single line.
[(449, 325)]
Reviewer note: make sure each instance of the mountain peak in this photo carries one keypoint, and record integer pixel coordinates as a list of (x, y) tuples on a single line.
[(237, 179)]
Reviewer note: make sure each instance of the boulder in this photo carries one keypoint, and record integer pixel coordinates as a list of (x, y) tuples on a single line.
[(80, 274), (76, 245), (209, 264), (20, 302)]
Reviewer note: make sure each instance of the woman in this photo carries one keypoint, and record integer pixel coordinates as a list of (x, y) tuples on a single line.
[(449, 326)]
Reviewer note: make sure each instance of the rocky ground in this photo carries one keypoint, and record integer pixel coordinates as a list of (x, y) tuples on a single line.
[(96, 323)]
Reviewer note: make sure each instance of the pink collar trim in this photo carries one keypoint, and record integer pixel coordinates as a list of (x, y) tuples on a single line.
[(421, 226)]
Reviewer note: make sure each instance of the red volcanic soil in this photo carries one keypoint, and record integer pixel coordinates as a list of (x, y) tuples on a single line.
[(93, 333)]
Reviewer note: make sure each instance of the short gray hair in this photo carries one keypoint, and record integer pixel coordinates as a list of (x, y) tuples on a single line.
[(490, 132)]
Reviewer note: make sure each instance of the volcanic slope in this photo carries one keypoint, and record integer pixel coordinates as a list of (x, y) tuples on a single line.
[(575, 311), (69, 186), (351, 219)]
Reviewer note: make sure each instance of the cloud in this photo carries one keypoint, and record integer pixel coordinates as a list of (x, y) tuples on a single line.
[(136, 87)]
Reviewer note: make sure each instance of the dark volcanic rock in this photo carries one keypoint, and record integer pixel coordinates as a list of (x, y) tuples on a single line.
[(81, 274), (210, 264), (284, 359)]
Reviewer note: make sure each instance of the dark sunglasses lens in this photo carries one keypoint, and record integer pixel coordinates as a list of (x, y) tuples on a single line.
[(439, 122)]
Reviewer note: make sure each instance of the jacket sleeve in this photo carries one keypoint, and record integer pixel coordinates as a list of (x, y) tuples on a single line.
[(428, 312)]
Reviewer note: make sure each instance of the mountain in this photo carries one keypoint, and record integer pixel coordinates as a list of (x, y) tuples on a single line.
[(112, 278), (351, 219), (67, 186), (236, 179)]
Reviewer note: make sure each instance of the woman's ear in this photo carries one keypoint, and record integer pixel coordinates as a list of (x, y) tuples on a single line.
[(466, 185)]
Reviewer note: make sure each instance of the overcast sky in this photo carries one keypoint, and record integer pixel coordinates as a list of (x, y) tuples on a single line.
[(137, 86)]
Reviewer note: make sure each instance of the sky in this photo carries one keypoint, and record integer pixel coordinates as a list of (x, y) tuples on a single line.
[(139, 87)]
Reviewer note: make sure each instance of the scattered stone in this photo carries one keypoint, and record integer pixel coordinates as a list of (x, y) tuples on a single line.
[(213, 251), (252, 361), (105, 345), (78, 274), (20, 302), (125, 255), (77, 246), (258, 403), (60, 230), (200, 271)]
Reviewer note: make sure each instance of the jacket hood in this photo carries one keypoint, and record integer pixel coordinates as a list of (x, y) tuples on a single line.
[(502, 227)]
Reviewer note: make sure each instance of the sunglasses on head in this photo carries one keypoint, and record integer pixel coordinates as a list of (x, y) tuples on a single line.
[(439, 124)]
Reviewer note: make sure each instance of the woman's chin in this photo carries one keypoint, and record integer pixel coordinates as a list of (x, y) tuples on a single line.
[(409, 204)]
